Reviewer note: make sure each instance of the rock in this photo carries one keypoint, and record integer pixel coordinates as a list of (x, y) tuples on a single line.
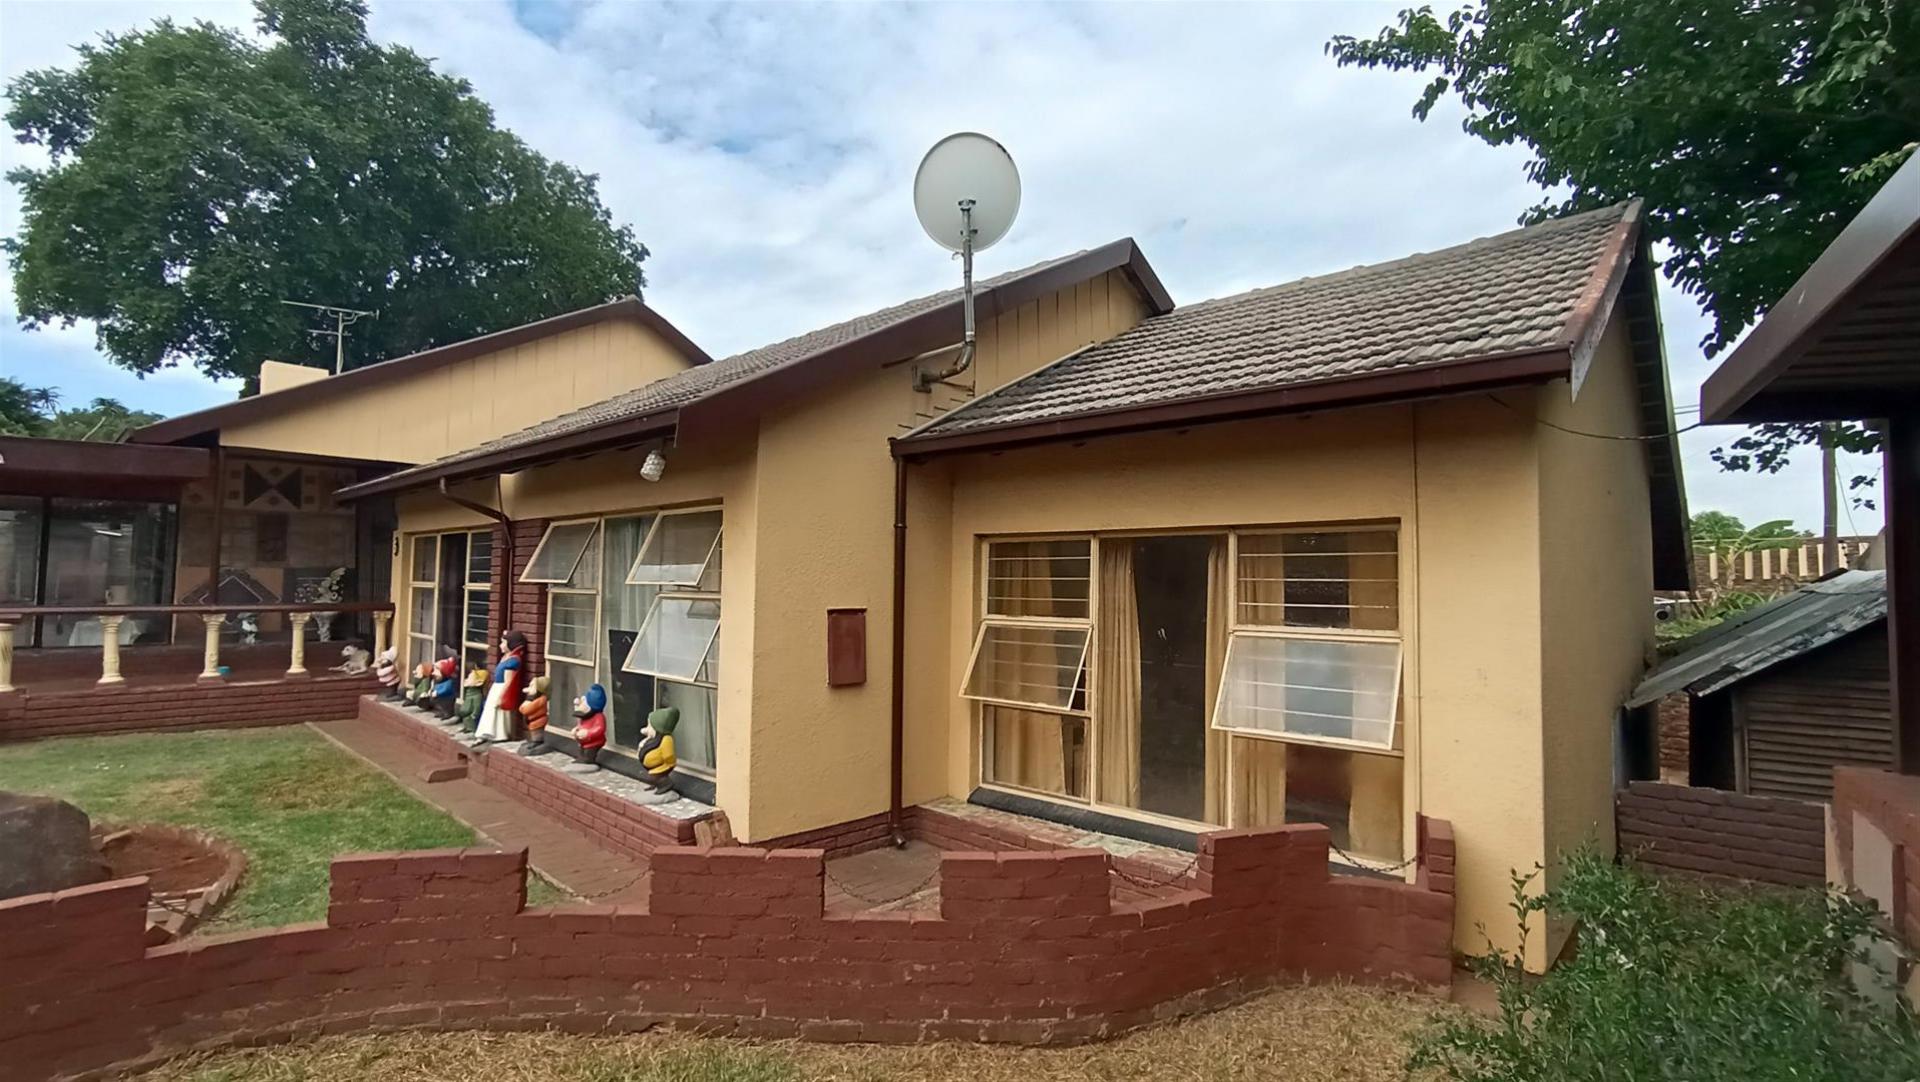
[(45, 845)]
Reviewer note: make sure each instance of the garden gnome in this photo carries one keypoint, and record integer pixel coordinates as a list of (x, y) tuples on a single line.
[(420, 695), (534, 710), (656, 746), (446, 681), (387, 669), (472, 694), (589, 729), (503, 698)]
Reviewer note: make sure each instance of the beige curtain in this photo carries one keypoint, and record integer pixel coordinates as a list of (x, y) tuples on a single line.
[(1116, 677), (1031, 749), (1219, 598)]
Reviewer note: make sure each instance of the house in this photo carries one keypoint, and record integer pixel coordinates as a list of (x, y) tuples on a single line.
[(1356, 549), (1840, 346), (1784, 692)]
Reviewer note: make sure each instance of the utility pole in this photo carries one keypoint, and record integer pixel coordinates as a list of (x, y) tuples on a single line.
[(342, 319), (1830, 493)]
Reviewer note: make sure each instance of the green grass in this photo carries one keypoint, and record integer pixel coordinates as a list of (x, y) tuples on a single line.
[(288, 798)]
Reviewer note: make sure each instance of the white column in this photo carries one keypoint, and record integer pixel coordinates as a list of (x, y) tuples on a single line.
[(6, 657), (210, 661), (380, 622), (298, 622), (110, 650)]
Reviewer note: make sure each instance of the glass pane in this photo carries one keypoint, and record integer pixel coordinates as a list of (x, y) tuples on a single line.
[(420, 649), (19, 548), (1355, 794), (1039, 578), (426, 557), (623, 609), (106, 552), (476, 626), (1040, 666), (480, 557), (566, 682), (586, 573), (1032, 750), (1348, 579), (570, 626), (559, 552), (693, 739), (677, 551), (676, 638), (1305, 687), (420, 614)]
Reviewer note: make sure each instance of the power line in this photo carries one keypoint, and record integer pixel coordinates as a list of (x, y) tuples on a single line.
[(1596, 435)]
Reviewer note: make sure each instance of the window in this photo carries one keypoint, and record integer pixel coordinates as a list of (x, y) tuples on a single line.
[(1029, 664), (1311, 688), (559, 553), (476, 633), (679, 552), (573, 615), (677, 641), (1046, 579), (423, 585), (1043, 668)]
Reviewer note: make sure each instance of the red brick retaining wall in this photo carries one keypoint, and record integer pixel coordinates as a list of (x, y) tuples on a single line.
[(614, 824), (1679, 828), (1027, 947), (27, 714), (1891, 802)]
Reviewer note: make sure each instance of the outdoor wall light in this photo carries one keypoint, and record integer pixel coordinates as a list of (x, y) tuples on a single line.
[(654, 467)]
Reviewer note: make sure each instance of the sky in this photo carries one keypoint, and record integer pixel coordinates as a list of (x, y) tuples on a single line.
[(764, 153)]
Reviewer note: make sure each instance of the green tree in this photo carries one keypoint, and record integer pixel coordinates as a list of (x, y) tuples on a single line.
[(24, 409), (197, 177), (105, 420), (1754, 129), (1721, 534)]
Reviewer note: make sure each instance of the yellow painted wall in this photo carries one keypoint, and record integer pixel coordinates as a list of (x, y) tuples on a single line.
[(1596, 570), (449, 408), (280, 375)]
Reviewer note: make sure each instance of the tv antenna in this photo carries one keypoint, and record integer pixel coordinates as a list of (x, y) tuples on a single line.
[(342, 319), (966, 194)]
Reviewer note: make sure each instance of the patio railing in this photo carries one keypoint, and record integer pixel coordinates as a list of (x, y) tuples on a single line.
[(214, 616)]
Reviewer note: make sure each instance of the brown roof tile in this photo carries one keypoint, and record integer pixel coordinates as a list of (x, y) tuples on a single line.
[(1513, 293)]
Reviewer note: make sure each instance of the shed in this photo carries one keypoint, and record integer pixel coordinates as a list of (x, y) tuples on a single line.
[(1783, 693)]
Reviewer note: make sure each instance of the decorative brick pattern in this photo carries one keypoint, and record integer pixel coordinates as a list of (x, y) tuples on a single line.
[(130, 708), (1890, 802), (1028, 947), (1678, 828), (619, 826)]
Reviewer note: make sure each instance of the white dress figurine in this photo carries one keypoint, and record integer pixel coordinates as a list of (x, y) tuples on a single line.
[(502, 704)]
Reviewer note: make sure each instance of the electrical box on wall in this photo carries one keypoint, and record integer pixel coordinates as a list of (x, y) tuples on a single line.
[(846, 647)]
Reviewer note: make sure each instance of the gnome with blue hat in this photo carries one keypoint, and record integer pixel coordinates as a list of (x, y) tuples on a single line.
[(589, 729)]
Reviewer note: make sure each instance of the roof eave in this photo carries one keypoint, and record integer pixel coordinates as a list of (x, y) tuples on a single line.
[(1407, 384), (612, 435)]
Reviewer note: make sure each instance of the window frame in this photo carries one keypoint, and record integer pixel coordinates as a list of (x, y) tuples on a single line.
[(653, 532), (1081, 682), (546, 537), (483, 588), (1235, 635), (432, 586), (708, 654)]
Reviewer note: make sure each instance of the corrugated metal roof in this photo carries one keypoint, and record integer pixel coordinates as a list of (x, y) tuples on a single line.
[(1766, 635)]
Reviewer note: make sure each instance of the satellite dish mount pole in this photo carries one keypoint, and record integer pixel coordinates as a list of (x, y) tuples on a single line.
[(924, 381)]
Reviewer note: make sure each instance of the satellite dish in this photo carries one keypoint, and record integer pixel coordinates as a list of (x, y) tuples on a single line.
[(966, 168)]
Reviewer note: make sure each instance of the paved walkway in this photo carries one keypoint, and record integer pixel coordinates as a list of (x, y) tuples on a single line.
[(557, 851), (885, 881)]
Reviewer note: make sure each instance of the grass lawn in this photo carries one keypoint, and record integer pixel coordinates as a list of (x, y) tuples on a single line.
[(1310, 1034), (285, 796)]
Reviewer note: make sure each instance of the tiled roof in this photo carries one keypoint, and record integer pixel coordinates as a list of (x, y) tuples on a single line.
[(692, 384), (1511, 293)]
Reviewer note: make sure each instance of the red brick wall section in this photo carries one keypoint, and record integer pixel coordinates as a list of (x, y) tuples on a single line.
[(1674, 715), (1678, 828), (27, 715), (1027, 948), (1891, 802), (614, 824), (527, 602)]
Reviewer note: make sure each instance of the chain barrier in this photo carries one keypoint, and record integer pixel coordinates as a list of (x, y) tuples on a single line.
[(1152, 883), (1368, 865), (869, 900)]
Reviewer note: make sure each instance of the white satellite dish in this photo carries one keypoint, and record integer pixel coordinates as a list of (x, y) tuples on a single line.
[(966, 171), (966, 194)]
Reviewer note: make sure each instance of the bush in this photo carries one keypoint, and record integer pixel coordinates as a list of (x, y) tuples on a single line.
[(1668, 983)]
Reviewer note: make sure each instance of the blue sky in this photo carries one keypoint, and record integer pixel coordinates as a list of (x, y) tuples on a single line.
[(764, 152)]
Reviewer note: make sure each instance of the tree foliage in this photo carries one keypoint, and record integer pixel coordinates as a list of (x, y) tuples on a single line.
[(1754, 129), (1724, 535), (35, 411), (197, 177), (1675, 984)]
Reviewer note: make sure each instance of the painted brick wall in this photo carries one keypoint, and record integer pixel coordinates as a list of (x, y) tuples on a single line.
[(1678, 828), (27, 715), (1027, 947), (1891, 802)]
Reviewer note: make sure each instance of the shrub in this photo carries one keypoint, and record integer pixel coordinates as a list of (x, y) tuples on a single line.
[(1668, 983)]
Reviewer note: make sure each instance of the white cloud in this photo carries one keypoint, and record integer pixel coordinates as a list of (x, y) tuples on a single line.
[(764, 151)]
